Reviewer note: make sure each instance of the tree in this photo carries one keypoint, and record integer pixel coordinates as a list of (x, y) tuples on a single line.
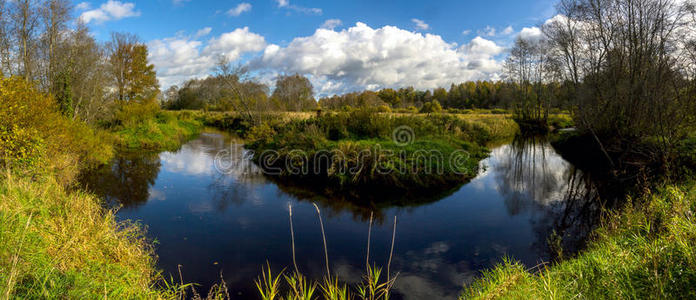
[(390, 96), (528, 65), (134, 77), (622, 58), (294, 93), (25, 21), (55, 15), (431, 107)]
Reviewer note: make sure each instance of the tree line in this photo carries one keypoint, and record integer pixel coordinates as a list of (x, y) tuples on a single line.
[(232, 88), (90, 80), (467, 95)]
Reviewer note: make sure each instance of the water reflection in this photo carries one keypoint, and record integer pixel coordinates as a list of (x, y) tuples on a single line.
[(234, 222), (127, 181), (532, 177)]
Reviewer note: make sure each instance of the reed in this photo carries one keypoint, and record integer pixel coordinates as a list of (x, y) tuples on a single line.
[(299, 287)]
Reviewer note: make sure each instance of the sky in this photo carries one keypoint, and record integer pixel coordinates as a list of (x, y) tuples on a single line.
[(341, 46)]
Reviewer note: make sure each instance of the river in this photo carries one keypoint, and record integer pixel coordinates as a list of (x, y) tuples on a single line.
[(207, 223)]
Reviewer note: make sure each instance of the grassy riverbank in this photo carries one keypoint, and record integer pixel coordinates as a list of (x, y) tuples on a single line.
[(60, 244), (367, 149), (165, 131), (644, 251), (55, 241)]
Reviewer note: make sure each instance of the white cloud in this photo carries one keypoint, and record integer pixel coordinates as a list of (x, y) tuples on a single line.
[(111, 10), (203, 32), (305, 10), (488, 31), (82, 6), (180, 58), (420, 24), (362, 57), (530, 33), (466, 32), (235, 43), (241, 8), (331, 24), (507, 31)]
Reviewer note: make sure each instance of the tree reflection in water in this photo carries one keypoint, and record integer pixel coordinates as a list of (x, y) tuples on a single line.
[(533, 178), (126, 181)]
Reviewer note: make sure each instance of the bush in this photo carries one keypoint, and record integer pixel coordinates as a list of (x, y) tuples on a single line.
[(431, 107), (132, 113), (37, 137)]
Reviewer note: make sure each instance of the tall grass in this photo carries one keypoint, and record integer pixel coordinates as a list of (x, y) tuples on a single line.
[(298, 287), (645, 251), (60, 244)]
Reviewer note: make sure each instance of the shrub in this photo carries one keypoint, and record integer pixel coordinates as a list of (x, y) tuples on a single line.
[(384, 109), (133, 112), (36, 136), (431, 107)]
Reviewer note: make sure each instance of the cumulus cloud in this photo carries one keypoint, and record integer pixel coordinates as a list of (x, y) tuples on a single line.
[(466, 32), (331, 24), (180, 58), (239, 9), (530, 33), (508, 30), (111, 10), (362, 57), (420, 24)]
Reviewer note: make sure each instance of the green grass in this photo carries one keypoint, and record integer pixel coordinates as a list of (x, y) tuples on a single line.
[(645, 251), (60, 244), (335, 147), (167, 131)]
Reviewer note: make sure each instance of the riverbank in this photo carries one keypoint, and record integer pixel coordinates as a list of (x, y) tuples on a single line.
[(643, 251), (166, 131), (58, 241), (62, 244), (369, 150)]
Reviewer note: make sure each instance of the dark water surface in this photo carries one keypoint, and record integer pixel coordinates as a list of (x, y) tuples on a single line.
[(211, 222)]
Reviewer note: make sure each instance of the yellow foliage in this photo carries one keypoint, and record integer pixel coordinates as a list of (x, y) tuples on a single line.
[(35, 136)]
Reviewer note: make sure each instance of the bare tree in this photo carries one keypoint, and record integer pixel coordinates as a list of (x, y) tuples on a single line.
[(25, 20), (55, 15), (5, 40), (622, 58), (294, 92), (233, 78)]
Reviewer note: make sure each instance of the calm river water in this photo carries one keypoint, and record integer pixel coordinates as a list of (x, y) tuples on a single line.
[(211, 223)]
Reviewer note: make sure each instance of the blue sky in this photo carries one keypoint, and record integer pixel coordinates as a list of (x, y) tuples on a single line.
[(340, 45)]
